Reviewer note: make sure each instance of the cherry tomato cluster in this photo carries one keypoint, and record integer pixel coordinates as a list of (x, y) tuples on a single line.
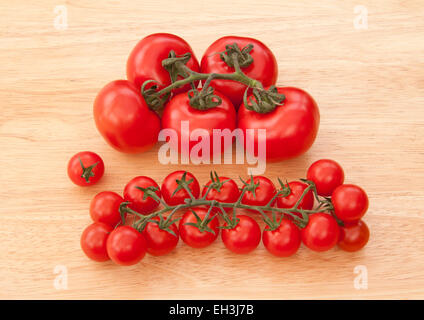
[(320, 211), (233, 86)]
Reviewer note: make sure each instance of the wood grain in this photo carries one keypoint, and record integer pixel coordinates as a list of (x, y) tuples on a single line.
[(369, 85)]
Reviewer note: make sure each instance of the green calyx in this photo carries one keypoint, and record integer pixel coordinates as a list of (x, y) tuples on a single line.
[(233, 51), (87, 172), (263, 101)]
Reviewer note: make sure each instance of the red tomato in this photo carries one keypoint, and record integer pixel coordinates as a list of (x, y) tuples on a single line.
[(264, 67), (159, 241), (291, 128), (169, 186), (227, 193), (104, 207), (321, 232), (126, 246), (350, 202), (191, 235), (220, 117), (283, 241), (354, 236), (124, 119), (297, 188), (145, 60), (135, 195), (85, 168), (327, 175), (244, 237), (263, 193), (93, 241)]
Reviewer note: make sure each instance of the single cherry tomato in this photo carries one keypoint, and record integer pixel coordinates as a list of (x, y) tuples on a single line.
[(354, 236), (160, 241), (124, 119), (244, 237), (264, 191), (175, 194), (321, 232), (350, 202), (85, 168), (296, 190), (327, 175), (193, 236), (93, 241), (136, 198), (264, 67), (283, 241), (291, 128), (223, 190), (126, 246), (221, 117), (104, 207), (145, 60)]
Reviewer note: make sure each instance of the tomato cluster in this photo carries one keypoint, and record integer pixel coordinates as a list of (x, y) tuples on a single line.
[(126, 228)]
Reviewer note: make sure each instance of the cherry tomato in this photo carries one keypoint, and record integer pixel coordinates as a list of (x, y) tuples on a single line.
[(321, 232), (93, 241), (227, 193), (264, 67), (327, 175), (354, 236), (124, 119), (136, 196), (104, 207), (126, 246), (159, 241), (169, 186), (350, 202), (145, 60), (296, 190), (85, 168), (263, 194), (191, 235), (291, 128), (244, 237), (283, 241)]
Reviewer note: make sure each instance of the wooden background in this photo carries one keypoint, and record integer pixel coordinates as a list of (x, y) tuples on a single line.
[(369, 85)]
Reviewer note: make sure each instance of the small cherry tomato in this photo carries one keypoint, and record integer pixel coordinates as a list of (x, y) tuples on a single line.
[(283, 241), (193, 236), (126, 246), (354, 236), (175, 194), (321, 232), (85, 168), (104, 207), (350, 202), (264, 191), (296, 190), (327, 175), (160, 241), (223, 190), (244, 237), (138, 201), (93, 241)]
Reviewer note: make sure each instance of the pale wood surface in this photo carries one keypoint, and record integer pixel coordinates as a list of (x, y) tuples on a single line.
[(369, 85)]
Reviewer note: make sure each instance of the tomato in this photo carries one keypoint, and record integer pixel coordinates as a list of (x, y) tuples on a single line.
[(175, 195), (126, 246), (124, 119), (327, 175), (264, 67), (321, 233), (354, 236), (104, 207), (291, 128), (138, 201), (244, 237), (262, 195), (191, 235), (350, 202), (283, 241), (85, 168), (220, 117), (145, 60), (93, 241), (160, 241), (225, 191), (296, 190)]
